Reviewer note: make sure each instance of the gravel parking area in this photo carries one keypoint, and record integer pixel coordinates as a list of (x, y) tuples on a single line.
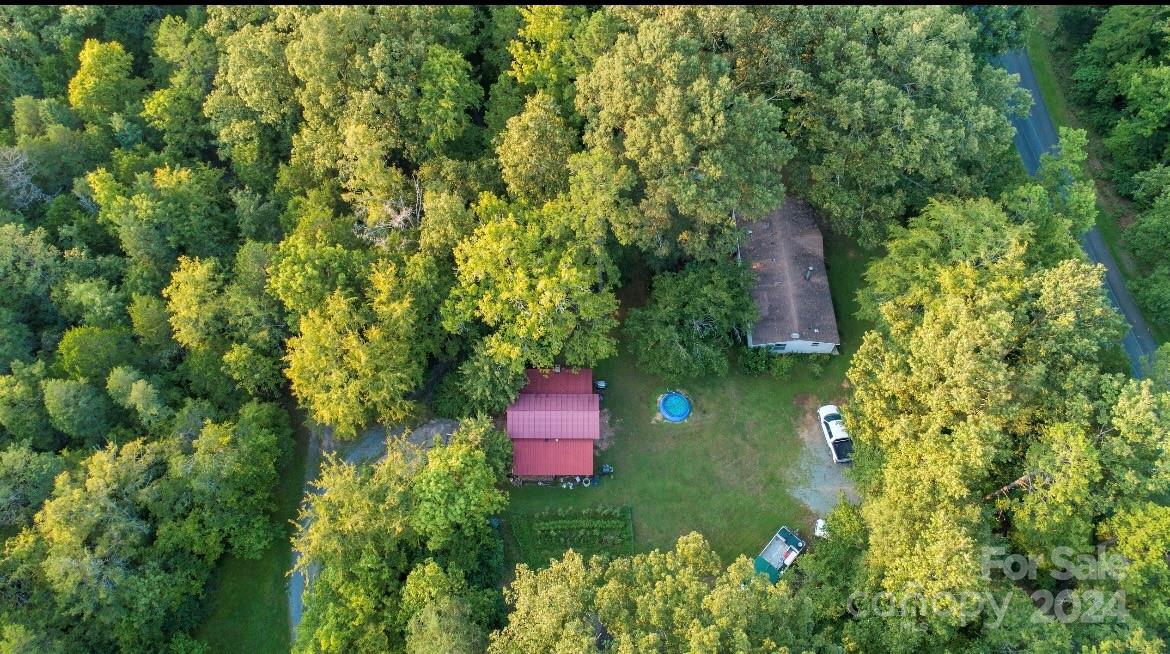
[(820, 481)]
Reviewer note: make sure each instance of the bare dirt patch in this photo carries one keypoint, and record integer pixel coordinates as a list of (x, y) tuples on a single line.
[(606, 439), (819, 481)]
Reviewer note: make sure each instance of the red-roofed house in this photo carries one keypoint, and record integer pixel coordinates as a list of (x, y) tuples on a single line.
[(554, 423)]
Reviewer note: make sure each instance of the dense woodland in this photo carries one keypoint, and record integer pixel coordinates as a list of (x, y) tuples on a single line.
[(386, 213), (1120, 61)]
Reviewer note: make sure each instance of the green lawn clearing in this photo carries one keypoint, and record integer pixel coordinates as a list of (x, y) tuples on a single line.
[(725, 471), (248, 599)]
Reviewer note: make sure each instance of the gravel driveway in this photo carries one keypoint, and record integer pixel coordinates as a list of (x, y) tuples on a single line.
[(819, 481)]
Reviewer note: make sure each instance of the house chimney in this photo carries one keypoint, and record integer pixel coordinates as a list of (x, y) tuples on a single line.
[(808, 273)]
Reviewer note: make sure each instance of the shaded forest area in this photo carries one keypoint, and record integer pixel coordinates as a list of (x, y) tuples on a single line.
[(204, 210)]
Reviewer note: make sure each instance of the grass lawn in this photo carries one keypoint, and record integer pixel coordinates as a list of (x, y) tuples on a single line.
[(725, 472), (248, 599)]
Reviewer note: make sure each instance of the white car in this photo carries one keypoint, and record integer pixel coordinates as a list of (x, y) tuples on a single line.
[(840, 445)]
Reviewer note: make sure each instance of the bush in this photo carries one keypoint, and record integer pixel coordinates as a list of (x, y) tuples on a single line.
[(755, 361), (816, 364), (687, 326), (781, 365), (450, 401)]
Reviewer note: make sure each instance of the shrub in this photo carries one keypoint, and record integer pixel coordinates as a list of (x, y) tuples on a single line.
[(1153, 293), (450, 401), (691, 320), (755, 361), (781, 365), (816, 364)]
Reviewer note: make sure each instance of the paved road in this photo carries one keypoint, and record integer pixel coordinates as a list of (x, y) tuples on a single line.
[(1036, 135)]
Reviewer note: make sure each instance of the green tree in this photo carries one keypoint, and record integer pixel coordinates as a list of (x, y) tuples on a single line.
[(534, 151), (678, 600), (91, 301), (446, 95), (444, 625), (251, 107), (104, 83), (392, 512), (89, 353), (163, 214), (484, 385), (1119, 76), (356, 516), (711, 151), (1141, 535), (319, 257), (530, 280), (362, 98), (177, 109), (982, 416), (151, 324), (999, 28), (887, 106), (544, 54), (101, 553), (196, 314), (29, 267), (692, 319), (26, 479), (456, 489), (22, 409), (16, 341), (234, 471), (78, 409), (437, 612), (349, 367), (551, 605), (256, 373), (130, 391)]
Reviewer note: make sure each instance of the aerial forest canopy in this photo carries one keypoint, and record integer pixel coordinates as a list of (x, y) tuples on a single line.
[(210, 215)]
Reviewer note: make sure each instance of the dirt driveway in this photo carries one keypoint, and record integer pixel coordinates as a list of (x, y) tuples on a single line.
[(818, 481)]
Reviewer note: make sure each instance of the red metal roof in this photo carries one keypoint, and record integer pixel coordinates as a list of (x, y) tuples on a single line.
[(554, 416), (566, 381), (539, 457), (556, 402)]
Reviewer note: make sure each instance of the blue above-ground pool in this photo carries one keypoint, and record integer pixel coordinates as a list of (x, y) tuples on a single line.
[(674, 406)]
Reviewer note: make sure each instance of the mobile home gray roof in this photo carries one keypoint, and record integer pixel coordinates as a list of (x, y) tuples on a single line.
[(784, 248)]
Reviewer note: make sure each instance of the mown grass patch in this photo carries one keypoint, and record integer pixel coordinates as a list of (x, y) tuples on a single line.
[(247, 600), (726, 472)]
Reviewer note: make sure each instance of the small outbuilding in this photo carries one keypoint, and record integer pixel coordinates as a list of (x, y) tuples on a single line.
[(787, 254), (554, 424)]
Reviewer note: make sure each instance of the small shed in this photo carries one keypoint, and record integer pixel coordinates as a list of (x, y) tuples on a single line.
[(787, 254), (554, 424)]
